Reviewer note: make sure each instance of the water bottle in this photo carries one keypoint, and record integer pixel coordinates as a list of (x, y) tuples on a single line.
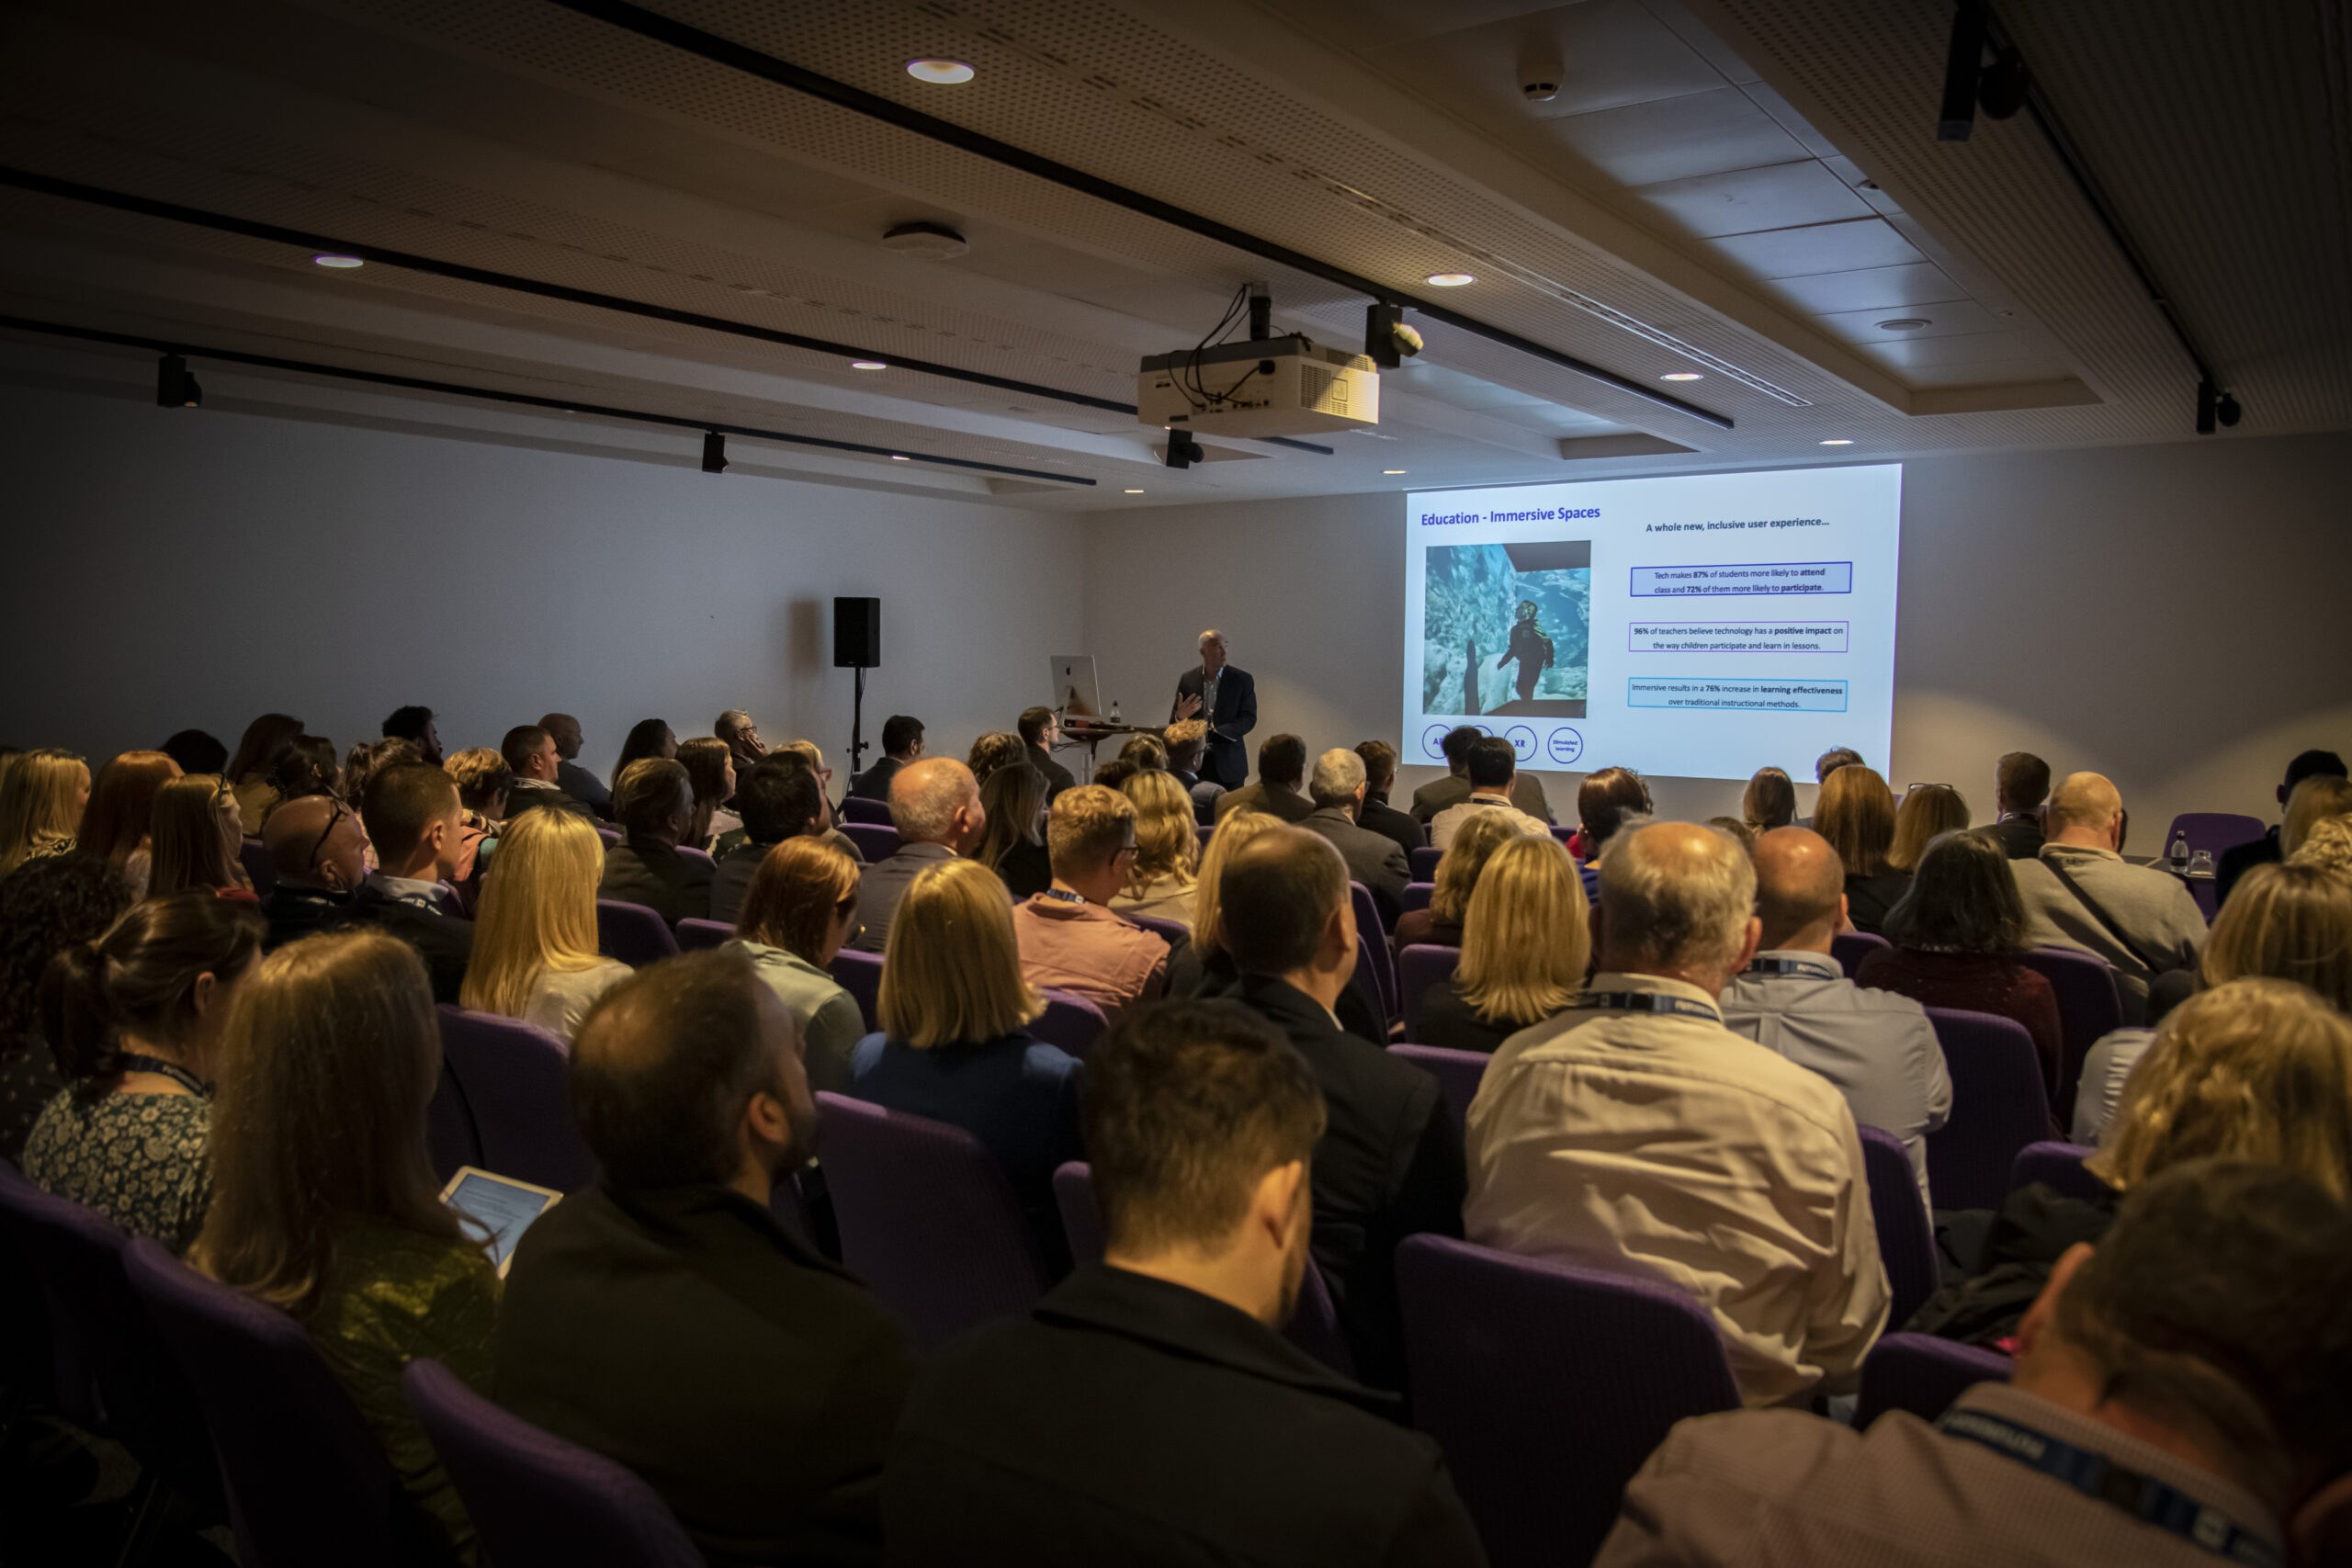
[(1114, 718), (2179, 853)]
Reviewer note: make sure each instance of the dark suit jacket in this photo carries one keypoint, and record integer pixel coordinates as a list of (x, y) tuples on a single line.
[(883, 884), (2239, 859), (1131, 1421), (1279, 800), (582, 786), (522, 799), (732, 878), (1373, 859), (294, 912), (1226, 760), (686, 1334), (1215, 976), (1526, 793), (874, 782), (1397, 826), (1058, 778), (2020, 836), (444, 939), (1389, 1165), (641, 871)]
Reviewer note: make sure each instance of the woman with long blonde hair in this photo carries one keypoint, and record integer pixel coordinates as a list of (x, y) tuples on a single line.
[(1161, 882), (42, 796), (1441, 925), (195, 837), (1206, 967), (1856, 813), (116, 825), (535, 936), (1926, 815), (799, 910), (323, 1198), (1524, 951)]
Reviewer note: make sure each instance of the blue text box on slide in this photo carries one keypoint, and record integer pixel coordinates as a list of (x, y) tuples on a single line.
[(1744, 578), (1736, 637), (1734, 693)]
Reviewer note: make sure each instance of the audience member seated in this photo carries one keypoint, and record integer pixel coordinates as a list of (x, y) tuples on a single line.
[(2239, 859), (936, 808), (1736, 827), (1160, 883), (805, 756), (2020, 784), (1205, 968), (531, 756), (197, 752), (1147, 1411), (1524, 951), (248, 770), (2252, 1069), (1377, 815), (1491, 766), (484, 781), (710, 768), (194, 840), (1928, 813), (534, 954), (813, 754), (415, 725), (2315, 800), (2289, 922), (663, 1317), (117, 823), (413, 819), (1144, 753), (1458, 869), (1338, 790), (1830, 761), (1188, 742), (1040, 730), (42, 796), (2328, 846), (1526, 793), (1769, 801), (304, 765), (648, 737), (1012, 844), (319, 851), (998, 749), (1958, 935), (2081, 893), (323, 1198), (52, 905), (1608, 799), (369, 758), (570, 777), (135, 1021), (1070, 939), (654, 802), (955, 1043), (799, 910), (1855, 811), (743, 737), (1639, 1134), (1389, 1164), (2178, 1392), (1281, 776), (901, 744), (1114, 774), (778, 803), (1878, 1048)]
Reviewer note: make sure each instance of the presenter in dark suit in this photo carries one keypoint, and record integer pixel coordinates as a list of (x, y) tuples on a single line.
[(1227, 699)]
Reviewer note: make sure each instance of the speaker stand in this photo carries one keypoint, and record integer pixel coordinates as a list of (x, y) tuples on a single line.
[(857, 725)]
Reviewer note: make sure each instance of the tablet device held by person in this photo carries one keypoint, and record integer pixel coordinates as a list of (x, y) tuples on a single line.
[(498, 1205)]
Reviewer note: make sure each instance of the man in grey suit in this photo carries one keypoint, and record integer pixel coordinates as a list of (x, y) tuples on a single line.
[(1374, 860), (936, 806)]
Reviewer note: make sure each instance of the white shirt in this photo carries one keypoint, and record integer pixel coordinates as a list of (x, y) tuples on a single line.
[(1661, 1144), (1448, 822), (2105, 1070)]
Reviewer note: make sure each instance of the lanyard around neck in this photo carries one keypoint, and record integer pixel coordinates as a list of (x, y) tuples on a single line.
[(1648, 1002), (135, 1062)]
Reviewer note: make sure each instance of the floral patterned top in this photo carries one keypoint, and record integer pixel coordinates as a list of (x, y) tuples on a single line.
[(139, 1159)]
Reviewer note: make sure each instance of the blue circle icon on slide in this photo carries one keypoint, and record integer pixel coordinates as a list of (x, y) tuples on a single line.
[(1432, 743), (1523, 742), (1565, 745)]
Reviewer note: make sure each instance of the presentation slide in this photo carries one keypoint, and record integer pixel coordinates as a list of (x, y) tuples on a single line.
[(1701, 627)]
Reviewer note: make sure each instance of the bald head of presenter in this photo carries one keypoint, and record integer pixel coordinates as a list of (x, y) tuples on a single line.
[(1226, 700)]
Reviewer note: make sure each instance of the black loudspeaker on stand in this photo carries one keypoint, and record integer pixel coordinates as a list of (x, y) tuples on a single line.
[(857, 645)]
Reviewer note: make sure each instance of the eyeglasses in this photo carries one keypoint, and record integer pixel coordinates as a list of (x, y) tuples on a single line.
[(337, 815), (1129, 851)]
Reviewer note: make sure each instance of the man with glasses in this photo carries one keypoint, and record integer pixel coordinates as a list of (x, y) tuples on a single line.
[(321, 854), (1069, 939)]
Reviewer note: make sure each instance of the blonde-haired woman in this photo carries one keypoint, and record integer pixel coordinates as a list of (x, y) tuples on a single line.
[(2314, 800), (2328, 846), (323, 1198), (42, 795), (1524, 951), (194, 839), (2282, 922), (1458, 870), (799, 910), (1203, 968), (954, 1044), (1926, 815), (535, 935), (1856, 814), (1162, 880)]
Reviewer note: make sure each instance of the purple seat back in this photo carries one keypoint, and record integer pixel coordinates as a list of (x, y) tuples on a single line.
[(700, 936), (2089, 1007), (260, 870), (1591, 874), (1849, 948), (687, 852), (1548, 1387), (1367, 908), (1997, 1108), (927, 1218), (305, 1480), (451, 1136), (1069, 1021), (1457, 1073), (875, 841), (1081, 1215), (1420, 966), (610, 835), (2213, 832), (869, 813), (1371, 941), (1922, 1374), (634, 934), (535, 1500), (1175, 933), (1205, 833), (1562, 835), (1906, 1238), (512, 1081), (2057, 1165), (860, 974), (1422, 859), (1417, 896)]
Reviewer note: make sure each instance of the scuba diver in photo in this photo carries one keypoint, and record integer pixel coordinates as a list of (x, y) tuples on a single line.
[(1530, 646)]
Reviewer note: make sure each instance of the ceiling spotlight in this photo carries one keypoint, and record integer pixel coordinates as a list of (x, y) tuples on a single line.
[(1449, 279), (1838, 441), (940, 73), (900, 458), (340, 264), (1683, 376), (1182, 450), (867, 364), (713, 452), (1392, 471), (175, 387), (1904, 323), (1387, 341), (2215, 406), (1135, 492)]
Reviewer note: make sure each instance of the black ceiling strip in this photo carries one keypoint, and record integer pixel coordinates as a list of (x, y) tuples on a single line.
[(524, 399), (123, 201), (1287, 441), (723, 50)]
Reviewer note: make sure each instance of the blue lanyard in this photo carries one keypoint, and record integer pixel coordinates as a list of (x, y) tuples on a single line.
[(1648, 1002), (1812, 969), (2095, 1475)]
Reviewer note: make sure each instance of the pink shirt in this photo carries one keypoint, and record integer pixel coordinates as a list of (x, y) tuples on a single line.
[(1088, 950)]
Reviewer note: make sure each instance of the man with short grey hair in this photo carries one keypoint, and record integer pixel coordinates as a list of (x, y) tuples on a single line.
[(936, 806), (1226, 699), (1337, 787), (1635, 1133), (2081, 893)]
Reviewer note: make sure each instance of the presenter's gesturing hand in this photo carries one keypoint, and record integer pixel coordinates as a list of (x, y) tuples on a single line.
[(1187, 706)]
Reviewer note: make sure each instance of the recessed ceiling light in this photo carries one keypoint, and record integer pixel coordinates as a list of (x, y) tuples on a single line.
[(340, 264), (1392, 471), (1135, 492), (940, 73), (900, 458), (1683, 376), (1904, 323), (1449, 279), (867, 364), (1837, 440)]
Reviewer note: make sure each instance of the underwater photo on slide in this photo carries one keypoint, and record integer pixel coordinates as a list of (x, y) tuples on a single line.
[(1506, 628)]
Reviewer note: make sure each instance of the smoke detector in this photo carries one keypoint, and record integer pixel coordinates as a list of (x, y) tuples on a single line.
[(1905, 324), (927, 242)]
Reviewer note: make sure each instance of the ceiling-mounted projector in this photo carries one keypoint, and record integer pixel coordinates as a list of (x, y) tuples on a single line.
[(1274, 385)]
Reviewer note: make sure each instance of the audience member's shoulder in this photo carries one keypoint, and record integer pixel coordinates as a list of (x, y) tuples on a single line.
[(1869, 999), (1772, 1452)]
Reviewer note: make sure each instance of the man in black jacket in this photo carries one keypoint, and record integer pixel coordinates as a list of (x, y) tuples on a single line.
[(319, 851), (1526, 789), (2239, 859), (1040, 728), (414, 820), (1146, 1412), (2020, 783), (1378, 816), (1224, 699), (901, 744), (656, 806), (570, 777), (664, 1318), (1390, 1164), (531, 756), (777, 801), (1280, 787)]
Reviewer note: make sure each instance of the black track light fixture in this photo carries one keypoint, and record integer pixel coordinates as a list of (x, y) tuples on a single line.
[(175, 387), (1183, 451), (1387, 341), (1999, 88), (713, 452), (2215, 407)]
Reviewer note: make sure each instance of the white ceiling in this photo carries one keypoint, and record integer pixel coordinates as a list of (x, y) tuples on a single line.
[(1744, 188)]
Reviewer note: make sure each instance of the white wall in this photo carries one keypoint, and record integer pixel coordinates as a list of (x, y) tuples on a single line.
[(182, 569), (2173, 616)]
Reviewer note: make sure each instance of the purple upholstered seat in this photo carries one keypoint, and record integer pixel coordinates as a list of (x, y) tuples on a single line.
[(1422, 859), (1457, 1073), (860, 974), (2057, 1165), (699, 936), (1175, 933), (875, 841), (1547, 1386), (2089, 1007), (1420, 966), (1372, 949), (634, 934), (1069, 1021), (871, 813), (1851, 948), (1417, 896), (1906, 1240), (1997, 1108), (510, 1077), (687, 852), (1922, 1374), (535, 1500)]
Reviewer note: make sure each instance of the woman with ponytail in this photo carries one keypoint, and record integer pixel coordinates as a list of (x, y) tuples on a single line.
[(134, 1020)]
